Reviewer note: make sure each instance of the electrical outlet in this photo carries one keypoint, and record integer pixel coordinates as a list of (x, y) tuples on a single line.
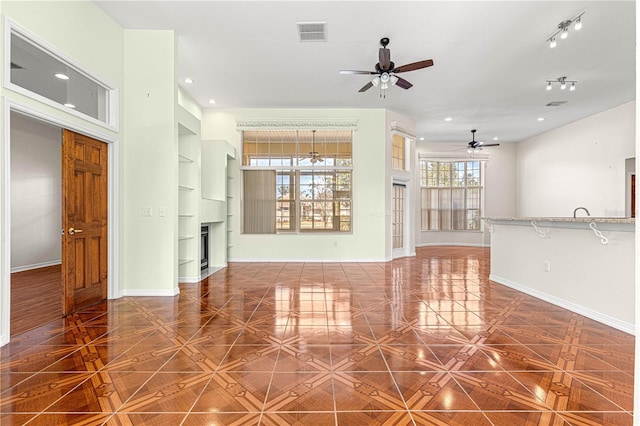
[(147, 211), (547, 266), (161, 212)]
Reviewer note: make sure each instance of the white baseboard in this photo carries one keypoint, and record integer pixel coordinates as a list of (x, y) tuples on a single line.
[(573, 307), (36, 266), (453, 244), (3, 339), (150, 292), (189, 280), (241, 260)]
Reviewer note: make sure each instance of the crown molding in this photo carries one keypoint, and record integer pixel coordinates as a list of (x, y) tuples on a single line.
[(296, 124)]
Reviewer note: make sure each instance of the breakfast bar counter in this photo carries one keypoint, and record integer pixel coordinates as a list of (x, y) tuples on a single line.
[(584, 264)]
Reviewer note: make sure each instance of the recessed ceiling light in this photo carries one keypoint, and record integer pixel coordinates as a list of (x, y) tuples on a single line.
[(495, 138), (540, 118), (68, 105), (212, 101), (448, 119), (422, 138), (188, 80), (62, 76)]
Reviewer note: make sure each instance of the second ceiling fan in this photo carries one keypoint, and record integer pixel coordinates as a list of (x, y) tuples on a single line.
[(475, 145), (385, 71)]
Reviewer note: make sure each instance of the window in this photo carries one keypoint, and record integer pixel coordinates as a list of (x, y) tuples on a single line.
[(311, 186), (398, 216), (397, 154), (451, 195), (41, 73)]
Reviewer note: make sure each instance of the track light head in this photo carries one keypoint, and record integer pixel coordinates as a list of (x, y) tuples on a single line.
[(549, 85), (562, 29)]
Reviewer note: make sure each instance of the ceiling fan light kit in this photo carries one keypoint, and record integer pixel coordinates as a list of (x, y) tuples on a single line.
[(563, 29), (385, 71)]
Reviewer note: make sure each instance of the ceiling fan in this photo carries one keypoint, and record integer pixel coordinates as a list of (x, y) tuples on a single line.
[(475, 146), (385, 71), (313, 154)]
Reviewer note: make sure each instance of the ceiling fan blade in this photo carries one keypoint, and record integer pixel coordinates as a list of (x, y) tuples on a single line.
[(357, 72), (366, 87), (403, 83), (489, 144), (414, 66), (384, 56)]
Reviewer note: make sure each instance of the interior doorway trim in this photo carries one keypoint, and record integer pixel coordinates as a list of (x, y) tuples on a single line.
[(113, 267)]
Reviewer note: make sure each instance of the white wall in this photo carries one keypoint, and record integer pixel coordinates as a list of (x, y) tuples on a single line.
[(499, 193), (584, 275), (368, 239), (36, 211), (580, 164)]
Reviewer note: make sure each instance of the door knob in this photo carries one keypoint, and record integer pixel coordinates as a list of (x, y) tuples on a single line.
[(74, 231)]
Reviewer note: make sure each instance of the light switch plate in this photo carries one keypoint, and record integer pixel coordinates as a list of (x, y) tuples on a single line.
[(147, 211)]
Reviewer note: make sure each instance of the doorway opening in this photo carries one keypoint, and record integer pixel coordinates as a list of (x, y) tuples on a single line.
[(58, 222), (36, 212)]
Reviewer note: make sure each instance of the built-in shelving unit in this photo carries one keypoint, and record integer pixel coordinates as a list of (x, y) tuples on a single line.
[(188, 205)]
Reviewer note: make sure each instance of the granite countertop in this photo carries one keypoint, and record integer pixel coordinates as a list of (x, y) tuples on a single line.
[(581, 219)]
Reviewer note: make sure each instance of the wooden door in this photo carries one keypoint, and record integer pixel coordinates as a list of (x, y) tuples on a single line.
[(84, 221)]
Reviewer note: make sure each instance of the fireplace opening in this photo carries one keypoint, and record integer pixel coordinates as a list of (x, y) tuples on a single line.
[(204, 247)]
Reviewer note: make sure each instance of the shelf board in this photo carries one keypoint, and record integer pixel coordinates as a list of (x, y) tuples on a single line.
[(185, 237), (185, 187), (183, 261), (230, 245), (184, 159)]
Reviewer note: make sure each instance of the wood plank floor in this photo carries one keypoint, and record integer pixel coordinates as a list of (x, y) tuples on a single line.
[(36, 298)]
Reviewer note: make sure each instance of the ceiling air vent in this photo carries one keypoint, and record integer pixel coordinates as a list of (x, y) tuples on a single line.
[(312, 31), (556, 103)]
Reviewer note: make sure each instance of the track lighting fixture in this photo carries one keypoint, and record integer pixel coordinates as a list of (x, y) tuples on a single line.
[(563, 83), (563, 29)]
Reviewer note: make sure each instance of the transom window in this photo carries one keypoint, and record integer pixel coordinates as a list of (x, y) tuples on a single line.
[(451, 195), (296, 181), (41, 73)]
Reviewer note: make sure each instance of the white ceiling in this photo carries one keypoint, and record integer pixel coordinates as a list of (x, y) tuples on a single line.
[(491, 59)]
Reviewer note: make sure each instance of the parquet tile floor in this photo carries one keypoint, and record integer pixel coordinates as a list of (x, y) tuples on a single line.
[(428, 340)]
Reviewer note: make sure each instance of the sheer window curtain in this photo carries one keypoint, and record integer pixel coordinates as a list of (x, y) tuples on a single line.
[(259, 201)]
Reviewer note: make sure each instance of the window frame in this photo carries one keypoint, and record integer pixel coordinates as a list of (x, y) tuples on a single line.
[(112, 106), (295, 171), (449, 188)]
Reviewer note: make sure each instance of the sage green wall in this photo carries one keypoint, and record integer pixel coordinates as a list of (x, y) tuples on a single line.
[(368, 239), (150, 163), (78, 30)]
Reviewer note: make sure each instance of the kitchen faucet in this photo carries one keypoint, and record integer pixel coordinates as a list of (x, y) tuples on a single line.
[(578, 208)]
